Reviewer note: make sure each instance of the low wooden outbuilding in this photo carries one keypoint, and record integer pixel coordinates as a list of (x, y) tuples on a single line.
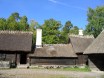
[(53, 54), (15, 45), (79, 44), (95, 53)]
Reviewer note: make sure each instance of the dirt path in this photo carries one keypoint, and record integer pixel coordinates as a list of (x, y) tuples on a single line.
[(31, 73)]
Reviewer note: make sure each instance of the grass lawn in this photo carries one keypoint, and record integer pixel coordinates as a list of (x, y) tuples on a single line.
[(85, 69), (46, 73)]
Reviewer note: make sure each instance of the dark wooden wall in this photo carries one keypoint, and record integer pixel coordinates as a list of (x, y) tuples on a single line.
[(96, 61), (9, 57), (52, 61), (82, 59)]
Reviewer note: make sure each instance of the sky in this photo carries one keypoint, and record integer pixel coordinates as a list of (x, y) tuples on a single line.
[(41, 10)]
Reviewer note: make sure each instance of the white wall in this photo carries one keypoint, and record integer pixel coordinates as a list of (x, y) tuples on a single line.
[(80, 32), (38, 38)]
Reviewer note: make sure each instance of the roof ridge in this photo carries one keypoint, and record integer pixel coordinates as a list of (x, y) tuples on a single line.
[(85, 36), (15, 32)]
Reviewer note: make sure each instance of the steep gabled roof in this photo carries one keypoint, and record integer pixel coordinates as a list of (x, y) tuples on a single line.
[(97, 45), (15, 41), (54, 50), (80, 43)]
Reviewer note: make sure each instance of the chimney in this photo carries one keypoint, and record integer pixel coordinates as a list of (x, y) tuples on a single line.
[(80, 32), (38, 38)]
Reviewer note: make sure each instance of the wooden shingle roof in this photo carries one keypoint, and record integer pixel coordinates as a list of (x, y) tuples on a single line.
[(15, 41), (97, 46), (54, 50), (80, 43)]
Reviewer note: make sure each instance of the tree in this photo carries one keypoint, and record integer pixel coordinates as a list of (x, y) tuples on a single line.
[(74, 30), (67, 27), (16, 16), (23, 25), (3, 24), (32, 27), (65, 31), (51, 31), (15, 22), (12, 21), (63, 38), (95, 21)]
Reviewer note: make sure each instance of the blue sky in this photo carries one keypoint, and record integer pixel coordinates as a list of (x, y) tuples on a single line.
[(40, 10)]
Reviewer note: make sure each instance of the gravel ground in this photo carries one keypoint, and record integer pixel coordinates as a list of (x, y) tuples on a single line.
[(44, 73)]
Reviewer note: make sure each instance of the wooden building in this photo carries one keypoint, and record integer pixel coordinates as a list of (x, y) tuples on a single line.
[(15, 45), (53, 54), (95, 53), (62, 54), (79, 44)]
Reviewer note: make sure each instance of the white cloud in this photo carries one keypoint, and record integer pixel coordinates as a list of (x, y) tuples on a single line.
[(54, 1), (64, 4)]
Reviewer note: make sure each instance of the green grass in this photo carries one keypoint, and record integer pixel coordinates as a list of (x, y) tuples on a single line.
[(86, 69), (75, 68)]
